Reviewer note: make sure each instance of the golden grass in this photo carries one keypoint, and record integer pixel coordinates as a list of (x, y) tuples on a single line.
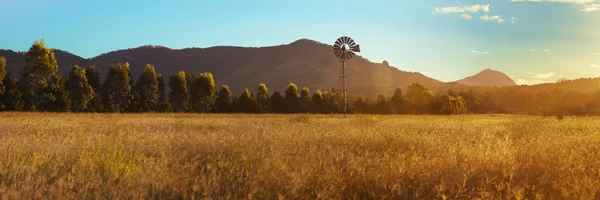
[(172, 156)]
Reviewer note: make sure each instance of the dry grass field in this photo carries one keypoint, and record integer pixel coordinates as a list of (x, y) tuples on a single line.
[(191, 156)]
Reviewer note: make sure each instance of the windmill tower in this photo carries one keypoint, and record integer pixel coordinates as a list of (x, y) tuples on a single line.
[(344, 49)]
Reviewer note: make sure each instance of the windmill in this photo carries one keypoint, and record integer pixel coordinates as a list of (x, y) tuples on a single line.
[(344, 49)]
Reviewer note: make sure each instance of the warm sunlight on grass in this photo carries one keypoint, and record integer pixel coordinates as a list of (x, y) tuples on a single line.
[(107, 156)]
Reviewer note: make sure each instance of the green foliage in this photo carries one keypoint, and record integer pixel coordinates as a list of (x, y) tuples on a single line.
[(278, 103), (247, 104), (202, 93), (419, 99), (2, 74), (117, 88), (305, 100), (163, 103), (317, 102), (224, 100), (11, 99), (333, 102), (80, 92), (40, 65), (61, 102), (291, 98), (179, 95), (262, 97), (147, 89), (93, 78), (452, 105)]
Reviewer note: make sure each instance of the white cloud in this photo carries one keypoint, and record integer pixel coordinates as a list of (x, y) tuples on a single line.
[(591, 8), (465, 16), (594, 66), (546, 50), (537, 78), (544, 75), (513, 20), (462, 9), (557, 1), (479, 52), (595, 54), (520, 81), (491, 18), (533, 50)]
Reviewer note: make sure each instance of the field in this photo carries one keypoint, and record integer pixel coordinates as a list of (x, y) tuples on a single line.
[(172, 156)]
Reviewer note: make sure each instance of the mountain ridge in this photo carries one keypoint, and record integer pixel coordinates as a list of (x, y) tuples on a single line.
[(307, 63), (488, 77)]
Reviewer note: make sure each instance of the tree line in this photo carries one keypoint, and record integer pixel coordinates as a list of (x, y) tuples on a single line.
[(41, 88)]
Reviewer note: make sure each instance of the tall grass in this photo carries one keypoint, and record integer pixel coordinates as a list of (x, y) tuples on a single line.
[(173, 156)]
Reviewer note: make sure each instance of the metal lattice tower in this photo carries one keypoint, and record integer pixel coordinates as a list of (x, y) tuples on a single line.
[(344, 49)]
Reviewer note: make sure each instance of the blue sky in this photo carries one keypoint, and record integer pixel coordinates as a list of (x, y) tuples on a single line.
[(444, 39)]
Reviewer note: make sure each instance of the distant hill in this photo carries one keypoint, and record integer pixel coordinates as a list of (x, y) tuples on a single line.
[(488, 77), (304, 62)]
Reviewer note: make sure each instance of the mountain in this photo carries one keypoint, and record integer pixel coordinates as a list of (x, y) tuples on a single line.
[(304, 62), (488, 77)]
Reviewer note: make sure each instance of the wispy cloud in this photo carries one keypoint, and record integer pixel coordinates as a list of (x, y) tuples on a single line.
[(591, 8), (539, 78), (513, 20), (546, 50), (462, 9), (465, 16), (521, 81), (479, 52), (594, 66), (491, 18), (595, 54), (544, 75), (533, 50)]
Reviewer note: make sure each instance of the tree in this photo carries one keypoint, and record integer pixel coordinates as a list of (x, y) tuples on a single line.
[(179, 95), (381, 106), (80, 92), (59, 94), (2, 74), (202, 93), (419, 99), (332, 101), (277, 103), (262, 97), (317, 102), (397, 102), (247, 104), (117, 88), (147, 88), (224, 100), (360, 106), (452, 105), (93, 78), (305, 100), (291, 98), (11, 99), (40, 65), (163, 104)]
